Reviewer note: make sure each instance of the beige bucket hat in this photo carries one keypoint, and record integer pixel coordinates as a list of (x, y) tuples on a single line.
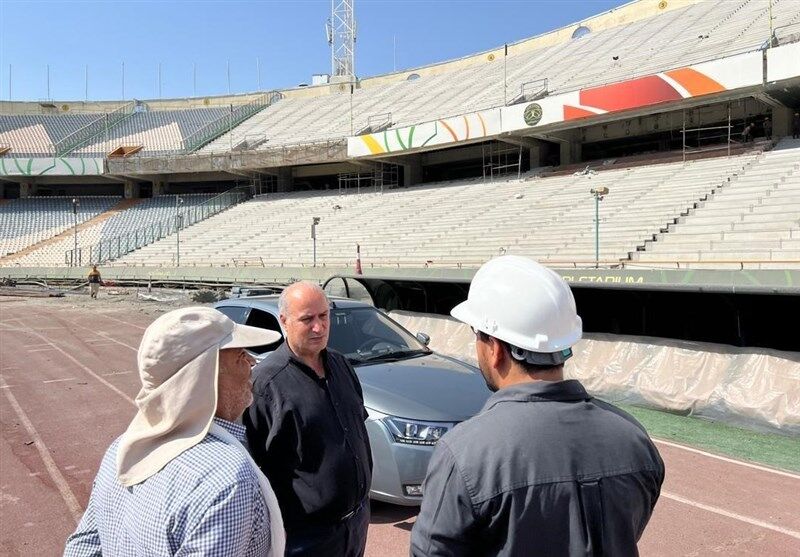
[(178, 362)]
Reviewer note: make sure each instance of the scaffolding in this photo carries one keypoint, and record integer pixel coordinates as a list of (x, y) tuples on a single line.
[(382, 176), (500, 160), (694, 138), (265, 183)]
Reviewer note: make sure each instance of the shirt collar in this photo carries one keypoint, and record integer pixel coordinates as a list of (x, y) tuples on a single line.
[(539, 391), (292, 357), (234, 429)]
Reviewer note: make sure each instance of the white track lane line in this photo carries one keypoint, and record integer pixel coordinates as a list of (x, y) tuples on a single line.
[(109, 339), (104, 336), (726, 459), (26, 329), (120, 321), (86, 369), (729, 514), (55, 474), (59, 380)]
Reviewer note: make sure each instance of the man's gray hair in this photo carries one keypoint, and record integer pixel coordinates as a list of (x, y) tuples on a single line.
[(283, 300)]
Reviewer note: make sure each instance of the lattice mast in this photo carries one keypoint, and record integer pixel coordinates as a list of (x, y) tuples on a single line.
[(341, 31)]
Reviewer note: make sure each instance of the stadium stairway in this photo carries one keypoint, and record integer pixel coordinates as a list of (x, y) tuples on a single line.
[(123, 205), (752, 221)]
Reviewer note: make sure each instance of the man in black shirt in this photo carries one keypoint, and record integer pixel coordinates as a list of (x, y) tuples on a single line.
[(306, 431)]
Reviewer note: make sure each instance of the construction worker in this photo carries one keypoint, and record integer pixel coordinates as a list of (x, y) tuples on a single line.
[(544, 468), (94, 281)]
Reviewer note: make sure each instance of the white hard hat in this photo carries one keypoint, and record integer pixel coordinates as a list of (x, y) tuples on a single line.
[(525, 304)]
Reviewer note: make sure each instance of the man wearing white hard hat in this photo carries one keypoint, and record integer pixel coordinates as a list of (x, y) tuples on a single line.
[(179, 481), (544, 468)]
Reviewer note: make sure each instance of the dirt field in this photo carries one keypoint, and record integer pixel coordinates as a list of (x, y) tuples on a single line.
[(68, 379)]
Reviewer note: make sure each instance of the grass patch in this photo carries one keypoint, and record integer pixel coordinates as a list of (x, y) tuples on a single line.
[(770, 449)]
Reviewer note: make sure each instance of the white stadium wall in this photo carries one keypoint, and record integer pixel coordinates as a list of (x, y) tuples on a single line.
[(783, 62)]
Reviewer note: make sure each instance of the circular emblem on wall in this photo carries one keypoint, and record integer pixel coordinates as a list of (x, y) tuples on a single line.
[(65, 107), (490, 57), (533, 113), (662, 5)]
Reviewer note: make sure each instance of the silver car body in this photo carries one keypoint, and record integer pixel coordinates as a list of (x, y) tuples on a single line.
[(423, 390)]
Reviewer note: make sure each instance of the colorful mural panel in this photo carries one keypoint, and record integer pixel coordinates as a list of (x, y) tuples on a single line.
[(439, 132), (11, 166)]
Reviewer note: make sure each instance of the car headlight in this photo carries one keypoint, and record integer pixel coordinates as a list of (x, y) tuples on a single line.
[(415, 432)]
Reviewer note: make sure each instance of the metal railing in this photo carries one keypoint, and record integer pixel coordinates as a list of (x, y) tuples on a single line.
[(376, 123), (531, 90), (227, 122), (84, 135), (114, 248)]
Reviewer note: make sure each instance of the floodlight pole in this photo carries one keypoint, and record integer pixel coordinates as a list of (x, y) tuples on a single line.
[(178, 201), (771, 30), (598, 194), (505, 76), (314, 223), (75, 205), (596, 231)]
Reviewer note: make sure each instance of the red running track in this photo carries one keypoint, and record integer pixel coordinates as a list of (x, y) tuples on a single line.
[(68, 380)]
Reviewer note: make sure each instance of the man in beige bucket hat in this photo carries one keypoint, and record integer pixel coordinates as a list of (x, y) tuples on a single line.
[(179, 480)]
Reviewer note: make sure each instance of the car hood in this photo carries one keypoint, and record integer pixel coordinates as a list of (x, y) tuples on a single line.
[(430, 387)]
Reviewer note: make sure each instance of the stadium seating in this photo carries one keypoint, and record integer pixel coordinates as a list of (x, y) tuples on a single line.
[(35, 135), (699, 32), (147, 212), (466, 222), (25, 222), (159, 131), (755, 217)]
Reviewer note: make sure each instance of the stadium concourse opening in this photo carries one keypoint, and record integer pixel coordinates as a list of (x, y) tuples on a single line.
[(762, 320)]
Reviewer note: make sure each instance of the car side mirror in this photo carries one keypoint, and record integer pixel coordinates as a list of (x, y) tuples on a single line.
[(423, 338)]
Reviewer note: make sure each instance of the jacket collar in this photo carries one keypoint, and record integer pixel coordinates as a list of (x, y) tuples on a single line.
[(539, 391)]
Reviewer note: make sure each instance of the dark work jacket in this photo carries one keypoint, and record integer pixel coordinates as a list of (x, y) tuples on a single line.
[(309, 438), (543, 469)]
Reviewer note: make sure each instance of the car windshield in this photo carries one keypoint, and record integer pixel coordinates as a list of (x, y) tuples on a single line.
[(367, 335)]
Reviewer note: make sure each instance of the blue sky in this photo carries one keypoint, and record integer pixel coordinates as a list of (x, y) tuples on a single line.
[(286, 37)]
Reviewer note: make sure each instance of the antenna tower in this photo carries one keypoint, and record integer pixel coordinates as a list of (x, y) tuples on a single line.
[(341, 32)]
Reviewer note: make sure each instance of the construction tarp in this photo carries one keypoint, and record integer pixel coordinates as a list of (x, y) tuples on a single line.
[(746, 386)]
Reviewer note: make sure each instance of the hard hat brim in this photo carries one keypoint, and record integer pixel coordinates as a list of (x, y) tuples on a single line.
[(464, 313)]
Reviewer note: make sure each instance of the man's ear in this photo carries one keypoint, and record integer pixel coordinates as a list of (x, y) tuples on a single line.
[(282, 319), (497, 354)]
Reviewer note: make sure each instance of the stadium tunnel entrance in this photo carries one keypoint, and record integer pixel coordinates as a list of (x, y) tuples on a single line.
[(703, 314)]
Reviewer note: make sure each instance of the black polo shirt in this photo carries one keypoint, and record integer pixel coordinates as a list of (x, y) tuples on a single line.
[(308, 436)]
